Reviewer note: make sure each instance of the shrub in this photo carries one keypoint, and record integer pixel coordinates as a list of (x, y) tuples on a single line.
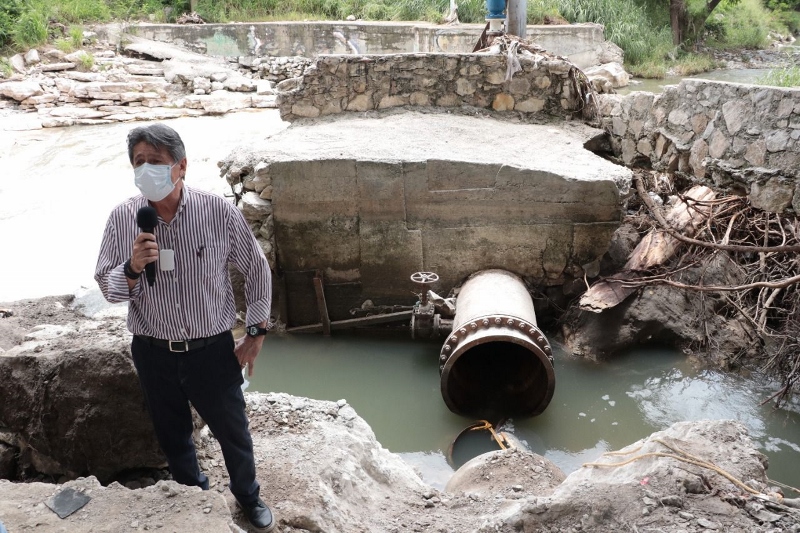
[(85, 62), (65, 45), (30, 30), (76, 36)]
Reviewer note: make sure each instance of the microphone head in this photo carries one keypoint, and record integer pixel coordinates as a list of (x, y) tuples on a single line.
[(147, 218)]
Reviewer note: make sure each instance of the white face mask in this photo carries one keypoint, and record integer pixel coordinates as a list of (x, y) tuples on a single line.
[(154, 181)]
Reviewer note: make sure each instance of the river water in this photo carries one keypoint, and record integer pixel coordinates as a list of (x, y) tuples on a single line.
[(57, 187)]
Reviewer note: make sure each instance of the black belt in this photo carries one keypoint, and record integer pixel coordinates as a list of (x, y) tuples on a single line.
[(183, 346)]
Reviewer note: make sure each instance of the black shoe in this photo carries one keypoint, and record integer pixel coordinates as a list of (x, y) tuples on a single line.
[(259, 515)]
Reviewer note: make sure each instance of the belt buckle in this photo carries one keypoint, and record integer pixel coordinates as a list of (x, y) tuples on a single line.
[(185, 346)]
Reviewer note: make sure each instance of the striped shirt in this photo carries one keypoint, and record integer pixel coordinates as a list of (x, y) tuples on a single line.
[(196, 298)]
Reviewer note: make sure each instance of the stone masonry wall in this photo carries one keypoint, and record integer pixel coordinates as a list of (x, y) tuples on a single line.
[(737, 137), (543, 87)]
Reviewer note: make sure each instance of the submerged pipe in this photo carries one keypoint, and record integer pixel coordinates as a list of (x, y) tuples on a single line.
[(496, 361)]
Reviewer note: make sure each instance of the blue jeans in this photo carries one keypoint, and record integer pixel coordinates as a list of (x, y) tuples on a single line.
[(210, 378)]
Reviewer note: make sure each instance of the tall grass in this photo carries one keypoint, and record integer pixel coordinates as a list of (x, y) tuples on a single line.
[(783, 77), (627, 24), (30, 29)]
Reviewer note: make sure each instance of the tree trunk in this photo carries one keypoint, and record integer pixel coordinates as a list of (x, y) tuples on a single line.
[(193, 5), (678, 21)]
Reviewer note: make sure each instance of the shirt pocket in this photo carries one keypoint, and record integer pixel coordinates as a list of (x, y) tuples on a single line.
[(211, 260)]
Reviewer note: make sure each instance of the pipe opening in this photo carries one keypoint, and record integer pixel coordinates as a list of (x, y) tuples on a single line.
[(498, 379)]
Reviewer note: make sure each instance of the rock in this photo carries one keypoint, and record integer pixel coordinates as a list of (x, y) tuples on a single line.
[(32, 57), (18, 63), (115, 508), (56, 67), (708, 524), (55, 54), (264, 87), (254, 208), (8, 459), (773, 196), (20, 90), (614, 73), (238, 83), (58, 368), (203, 85)]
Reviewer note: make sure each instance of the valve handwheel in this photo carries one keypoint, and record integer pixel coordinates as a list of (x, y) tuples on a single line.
[(424, 278)]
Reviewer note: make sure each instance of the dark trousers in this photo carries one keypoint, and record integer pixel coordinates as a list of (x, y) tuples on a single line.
[(210, 378)]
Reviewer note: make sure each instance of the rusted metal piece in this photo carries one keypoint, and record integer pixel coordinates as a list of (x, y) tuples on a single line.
[(460, 449), (323, 307), (496, 361), (352, 323)]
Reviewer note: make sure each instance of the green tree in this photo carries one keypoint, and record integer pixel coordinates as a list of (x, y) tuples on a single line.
[(687, 18)]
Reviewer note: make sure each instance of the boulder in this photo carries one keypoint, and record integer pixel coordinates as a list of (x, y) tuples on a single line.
[(32, 57), (71, 395), (640, 485), (614, 73), (18, 63), (20, 90)]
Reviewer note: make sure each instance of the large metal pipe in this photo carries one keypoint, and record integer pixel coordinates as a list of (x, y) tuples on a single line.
[(496, 361)]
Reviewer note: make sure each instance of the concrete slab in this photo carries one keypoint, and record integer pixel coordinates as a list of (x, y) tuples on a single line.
[(370, 199)]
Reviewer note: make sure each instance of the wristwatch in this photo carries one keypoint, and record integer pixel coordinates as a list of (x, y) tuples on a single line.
[(255, 331)]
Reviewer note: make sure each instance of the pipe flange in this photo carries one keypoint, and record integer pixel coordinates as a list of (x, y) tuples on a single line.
[(531, 331)]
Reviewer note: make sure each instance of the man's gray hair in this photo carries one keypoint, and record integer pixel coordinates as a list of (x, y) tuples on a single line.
[(157, 136)]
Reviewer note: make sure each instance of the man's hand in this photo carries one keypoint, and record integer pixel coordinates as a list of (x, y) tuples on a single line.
[(145, 251), (247, 350)]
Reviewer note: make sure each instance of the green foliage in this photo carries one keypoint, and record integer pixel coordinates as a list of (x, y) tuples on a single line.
[(85, 62), (76, 36), (77, 11), (785, 77), (65, 45), (9, 13), (650, 69), (690, 64), (627, 24), (30, 29), (744, 25), (6, 70)]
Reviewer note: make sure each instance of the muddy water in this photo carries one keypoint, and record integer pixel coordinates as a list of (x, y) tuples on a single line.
[(745, 75), (393, 383), (57, 187)]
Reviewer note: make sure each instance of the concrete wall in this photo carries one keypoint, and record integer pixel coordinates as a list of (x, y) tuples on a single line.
[(733, 136), (582, 43), (545, 87), (371, 200)]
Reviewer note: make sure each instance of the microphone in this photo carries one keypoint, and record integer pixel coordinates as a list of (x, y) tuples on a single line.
[(147, 220)]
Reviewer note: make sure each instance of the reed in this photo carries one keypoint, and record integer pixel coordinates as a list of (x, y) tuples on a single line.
[(782, 77)]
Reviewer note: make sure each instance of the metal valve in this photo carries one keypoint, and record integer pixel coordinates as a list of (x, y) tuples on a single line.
[(425, 280)]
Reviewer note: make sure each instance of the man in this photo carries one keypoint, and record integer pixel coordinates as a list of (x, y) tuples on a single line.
[(182, 347)]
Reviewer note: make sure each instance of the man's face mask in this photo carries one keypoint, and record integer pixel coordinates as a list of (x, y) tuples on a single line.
[(154, 181)]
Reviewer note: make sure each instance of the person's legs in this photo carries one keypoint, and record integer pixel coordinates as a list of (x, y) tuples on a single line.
[(159, 375), (213, 385)]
